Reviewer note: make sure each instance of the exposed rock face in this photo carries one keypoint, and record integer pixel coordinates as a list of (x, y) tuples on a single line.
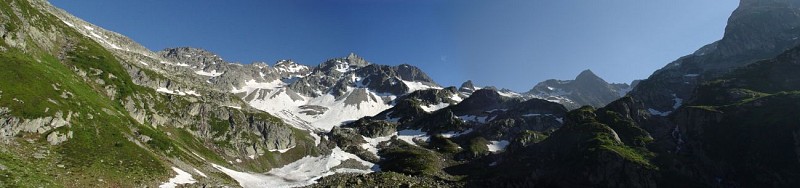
[(756, 30), (586, 89), (724, 130), (467, 87)]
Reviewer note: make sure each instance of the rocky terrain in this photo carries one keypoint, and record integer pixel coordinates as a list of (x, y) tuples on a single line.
[(83, 106), (586, 89)]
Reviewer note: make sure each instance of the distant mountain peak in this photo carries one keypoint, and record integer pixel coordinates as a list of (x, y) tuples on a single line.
[(356, 60), (588, 75), (467, 87)]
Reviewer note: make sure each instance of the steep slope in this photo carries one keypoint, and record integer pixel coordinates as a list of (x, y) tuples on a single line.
[(734, 131), (756, 30), (586, 89), (595, 148), (739, 130), (98, 109)]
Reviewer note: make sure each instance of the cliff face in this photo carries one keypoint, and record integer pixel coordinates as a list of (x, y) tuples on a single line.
[(756, 30)]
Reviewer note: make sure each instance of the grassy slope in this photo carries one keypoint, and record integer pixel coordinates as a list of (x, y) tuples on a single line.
[(33, 81)]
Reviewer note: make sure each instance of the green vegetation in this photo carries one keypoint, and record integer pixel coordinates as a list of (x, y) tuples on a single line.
[(409, 159), (478, 146), (444, 145), (528, 137), (219, 127)]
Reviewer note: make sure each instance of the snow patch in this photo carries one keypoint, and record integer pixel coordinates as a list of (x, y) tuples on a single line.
[(678, 102), (452, 134), (200, 173), (509, 94), (281, 150), (177, 92), (496, 146), (213, 73), (658, 113), (252, 85), (305, 171), (435, 107), (234, 107), (68, 23), (415, 86), (102, 39), (182, 178), (411, 135), (456, 98), (372, 143)]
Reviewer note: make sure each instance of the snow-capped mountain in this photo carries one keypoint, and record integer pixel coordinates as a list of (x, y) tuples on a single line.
[(318, 98), (586, 89)]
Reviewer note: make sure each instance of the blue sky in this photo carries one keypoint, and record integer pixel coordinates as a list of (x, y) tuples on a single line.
[(506, 43)]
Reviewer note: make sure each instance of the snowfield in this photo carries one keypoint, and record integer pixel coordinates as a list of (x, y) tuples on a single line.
[(497, 146), (305, 171), (183, 177)]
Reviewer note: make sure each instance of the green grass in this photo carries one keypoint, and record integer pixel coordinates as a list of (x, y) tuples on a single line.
[(18, 173), (411, 160), (219, 127)]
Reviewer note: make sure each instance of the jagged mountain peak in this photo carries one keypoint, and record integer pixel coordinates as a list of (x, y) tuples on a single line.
[(588, 75), (356, 60), (586, 89), (467, 87), (192, 56), (778, 23)]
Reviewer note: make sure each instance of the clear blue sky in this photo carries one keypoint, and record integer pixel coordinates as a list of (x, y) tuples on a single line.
[(506, 43)]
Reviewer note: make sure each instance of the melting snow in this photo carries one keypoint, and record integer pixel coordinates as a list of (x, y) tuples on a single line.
[(282, 150), (452, 134), (177, 92), (213, 73), (305, 171), (372, 143), (410, 135), (342, 66), (496, 146), (200, 173), (678, 102), (456, 98), (103, 40), (234, 107), (435, 107), (252, 85), (414, 86), (283, 106), (509, 94), (182, 178), (68, 23), (658, 113)]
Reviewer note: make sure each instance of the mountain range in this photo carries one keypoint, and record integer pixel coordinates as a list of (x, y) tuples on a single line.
[(83, 106)]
